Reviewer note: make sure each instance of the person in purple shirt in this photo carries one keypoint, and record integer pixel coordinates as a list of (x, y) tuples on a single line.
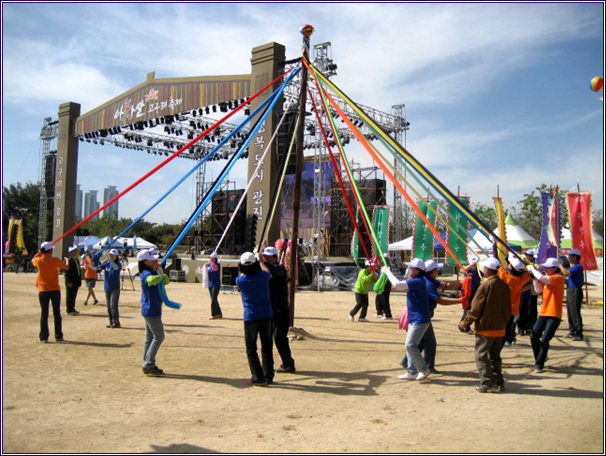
[(574, 294)]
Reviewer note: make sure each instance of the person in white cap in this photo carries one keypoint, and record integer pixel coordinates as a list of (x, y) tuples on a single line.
[(516, 277), (417, 305), (489, 312), (90, 278), (278, 291), (551, 284), (253, 283), (151, 309), (111, 285), (366, 277), (213, 267), (382, 304), (73, 279), (575, 278), (529, 300), (49, 290)]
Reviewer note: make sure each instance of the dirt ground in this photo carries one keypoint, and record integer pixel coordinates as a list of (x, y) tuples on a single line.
[(88, 395)]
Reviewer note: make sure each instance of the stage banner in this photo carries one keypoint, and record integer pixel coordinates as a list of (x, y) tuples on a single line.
[(581, 230), (501, 249), (422, 245), (457, 230), (551, 231), (381, 227)]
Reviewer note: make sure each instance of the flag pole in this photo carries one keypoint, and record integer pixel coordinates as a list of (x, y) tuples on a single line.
[(306, 31)]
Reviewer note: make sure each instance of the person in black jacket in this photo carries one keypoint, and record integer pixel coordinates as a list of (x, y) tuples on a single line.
[(73, 279), (278, 290)]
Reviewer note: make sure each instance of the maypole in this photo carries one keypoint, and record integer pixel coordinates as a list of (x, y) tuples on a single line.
[(306, 31)]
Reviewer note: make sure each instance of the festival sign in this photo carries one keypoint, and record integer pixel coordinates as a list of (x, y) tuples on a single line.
[(581, 231)]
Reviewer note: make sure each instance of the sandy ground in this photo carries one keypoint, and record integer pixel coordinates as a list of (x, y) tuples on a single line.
[(88, 395)]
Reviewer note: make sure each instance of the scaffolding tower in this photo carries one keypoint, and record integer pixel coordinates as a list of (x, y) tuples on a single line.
[(48, 160)]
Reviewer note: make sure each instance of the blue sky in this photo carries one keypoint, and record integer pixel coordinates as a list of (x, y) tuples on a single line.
[(496, 94)]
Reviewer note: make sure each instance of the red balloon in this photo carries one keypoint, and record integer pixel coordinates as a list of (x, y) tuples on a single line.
[(597, 83)]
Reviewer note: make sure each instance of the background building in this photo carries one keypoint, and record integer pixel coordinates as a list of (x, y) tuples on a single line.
[(109, 193)]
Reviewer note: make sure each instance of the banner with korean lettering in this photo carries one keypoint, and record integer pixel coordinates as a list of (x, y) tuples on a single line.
[(381, 227), (581, 230), (551, 228), (422, 246), (457, 233), (501, 249)]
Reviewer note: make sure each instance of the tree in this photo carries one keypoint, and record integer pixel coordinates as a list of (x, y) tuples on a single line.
[(598, 221), (487, 214), (23, 202), (529, 213)]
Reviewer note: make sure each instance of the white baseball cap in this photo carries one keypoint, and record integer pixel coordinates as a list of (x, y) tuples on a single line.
[(517, 263), (576, 252), (551, 263), (248, 258), (72, 248), (270, 251), (386, 255), (214, 255), (113, 252), (369, 264), (144, 255), (47, 246), (416, 263), (431, 265), (531, 252), (491, 263)]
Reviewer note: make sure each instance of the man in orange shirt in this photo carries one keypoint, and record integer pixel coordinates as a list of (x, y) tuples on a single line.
[(49, 290), (490, 311), (550, 316), (516, 278)]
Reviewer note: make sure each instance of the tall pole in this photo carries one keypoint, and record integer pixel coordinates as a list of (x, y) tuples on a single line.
[(306, 31)]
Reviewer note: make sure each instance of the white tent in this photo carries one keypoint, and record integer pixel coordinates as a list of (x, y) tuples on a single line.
[(404, 244), (141, 243), (517, 235)]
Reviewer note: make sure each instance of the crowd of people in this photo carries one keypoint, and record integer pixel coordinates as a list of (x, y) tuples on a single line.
[(496, 296)]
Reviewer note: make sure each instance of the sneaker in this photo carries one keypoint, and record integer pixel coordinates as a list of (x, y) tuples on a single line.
[(60, 339), (386, 318), (433, 370), (481, 388), (569, 336), (362, 319), (43, 341), (75, 312), (96, 302), (85, 303), (116, 325), (251, 383), (538, 370), (152, 370), (289, 369), (407, 376), (423, 375), (507, 344), (378, 315), (216, 317), (351, 318), (500, 386), (577, 338)]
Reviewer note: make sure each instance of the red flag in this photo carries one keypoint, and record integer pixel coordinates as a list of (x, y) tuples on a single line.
[(581, 231)]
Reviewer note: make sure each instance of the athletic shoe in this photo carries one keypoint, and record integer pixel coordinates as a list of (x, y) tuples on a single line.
[(386, 318), (289, 369), (60, 339), (577, 338), (251, 383), (407, 376), (362, 319), (351, 317), (75, 312), (423, 375), (152, 370), (538, 370), (378, 315), (216, 317)]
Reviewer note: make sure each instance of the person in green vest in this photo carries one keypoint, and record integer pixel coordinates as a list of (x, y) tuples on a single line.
[(366, 277)]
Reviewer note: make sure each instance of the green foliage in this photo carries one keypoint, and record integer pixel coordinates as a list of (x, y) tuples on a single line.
[(485, 213), (598, 221)]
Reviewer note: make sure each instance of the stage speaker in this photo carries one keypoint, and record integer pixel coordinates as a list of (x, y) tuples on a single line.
[(49, 175)]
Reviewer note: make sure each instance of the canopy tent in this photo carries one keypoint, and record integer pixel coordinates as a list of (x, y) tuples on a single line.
[(131, 243), (86, 242), (517, 235), (406, 244), (566, 241)]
